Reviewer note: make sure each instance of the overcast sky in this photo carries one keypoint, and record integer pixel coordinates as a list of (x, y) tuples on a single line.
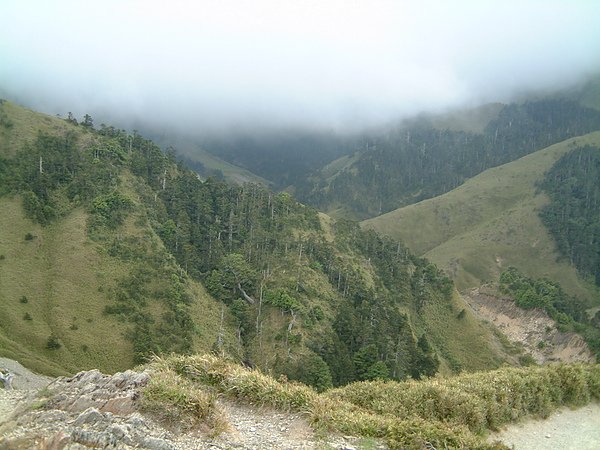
[(330, 63)]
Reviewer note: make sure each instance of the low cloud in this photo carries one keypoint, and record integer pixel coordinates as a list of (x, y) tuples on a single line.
[(214, 65)]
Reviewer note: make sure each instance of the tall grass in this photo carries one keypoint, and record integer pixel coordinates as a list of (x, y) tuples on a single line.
[(480, 401), (179, 403), (448, 413)]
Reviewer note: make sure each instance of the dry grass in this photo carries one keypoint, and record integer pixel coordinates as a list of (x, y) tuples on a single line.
[(449, 413), (181, 404)]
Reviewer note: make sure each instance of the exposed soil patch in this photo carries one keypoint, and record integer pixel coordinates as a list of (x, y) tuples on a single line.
[(533, 328)]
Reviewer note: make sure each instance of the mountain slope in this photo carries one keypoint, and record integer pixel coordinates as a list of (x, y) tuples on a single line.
[(418, 161), (113, 251), (57, 280), (489, 223)]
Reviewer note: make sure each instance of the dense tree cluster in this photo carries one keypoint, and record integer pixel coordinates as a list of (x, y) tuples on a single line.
[(573, 214)]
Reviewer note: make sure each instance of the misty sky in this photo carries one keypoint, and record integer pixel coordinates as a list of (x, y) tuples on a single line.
[(327, 63)]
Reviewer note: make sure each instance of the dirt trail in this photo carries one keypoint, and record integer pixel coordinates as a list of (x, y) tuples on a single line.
[(565, 430)]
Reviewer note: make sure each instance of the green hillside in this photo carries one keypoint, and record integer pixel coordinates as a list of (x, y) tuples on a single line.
[(489, 223), (418, 161), (57, 281), (207, 164), (112, 251)]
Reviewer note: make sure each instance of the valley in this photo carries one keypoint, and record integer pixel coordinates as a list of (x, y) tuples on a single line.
[(113, 252), (489, 223), (316, 225)]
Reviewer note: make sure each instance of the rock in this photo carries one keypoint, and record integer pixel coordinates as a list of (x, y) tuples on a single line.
[(152, 443), (89, 416), (56, 442), (94, 438)]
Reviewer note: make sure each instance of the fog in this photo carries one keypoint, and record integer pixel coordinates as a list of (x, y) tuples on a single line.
[(217, 65)]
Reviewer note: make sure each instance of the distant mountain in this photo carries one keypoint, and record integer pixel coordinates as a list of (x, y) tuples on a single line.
[(419, 161), (364, 174), (111, 251), (492, 222)]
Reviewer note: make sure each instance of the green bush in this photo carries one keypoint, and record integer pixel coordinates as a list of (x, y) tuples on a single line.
[(479, 401), (53, 343), (110, 209)]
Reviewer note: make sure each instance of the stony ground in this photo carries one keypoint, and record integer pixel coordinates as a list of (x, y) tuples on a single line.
[(93, 410), (565, 430)]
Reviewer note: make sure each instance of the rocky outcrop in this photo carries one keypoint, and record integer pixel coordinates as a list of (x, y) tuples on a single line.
[(93, 410), (89, 410)]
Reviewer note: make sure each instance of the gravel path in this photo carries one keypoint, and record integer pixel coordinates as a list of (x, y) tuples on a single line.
[(24, 378), (9, 401), (565, 430)]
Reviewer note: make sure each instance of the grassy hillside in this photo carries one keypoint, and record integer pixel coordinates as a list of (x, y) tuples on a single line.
[(57, 280), (419, 161), (208, 164), (489, 223)]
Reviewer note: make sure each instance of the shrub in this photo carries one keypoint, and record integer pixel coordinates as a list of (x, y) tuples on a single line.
[(29, 237), (526, 360), (52, 343), (479, 400), (27, 316), (23, 299)]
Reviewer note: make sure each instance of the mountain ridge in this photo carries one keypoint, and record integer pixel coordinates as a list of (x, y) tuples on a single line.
[(478, 214)]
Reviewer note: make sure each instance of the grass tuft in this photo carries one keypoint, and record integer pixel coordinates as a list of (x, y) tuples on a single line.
[(181, 404)]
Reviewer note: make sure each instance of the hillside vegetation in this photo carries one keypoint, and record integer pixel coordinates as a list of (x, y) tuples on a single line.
[(446, 413), (112, 251), (573, 213), (66, 255), (419, 160), (492, 222)]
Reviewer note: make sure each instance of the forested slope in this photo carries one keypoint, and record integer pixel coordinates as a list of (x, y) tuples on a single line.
[(136, 255), (573, 214), (416, 162)]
